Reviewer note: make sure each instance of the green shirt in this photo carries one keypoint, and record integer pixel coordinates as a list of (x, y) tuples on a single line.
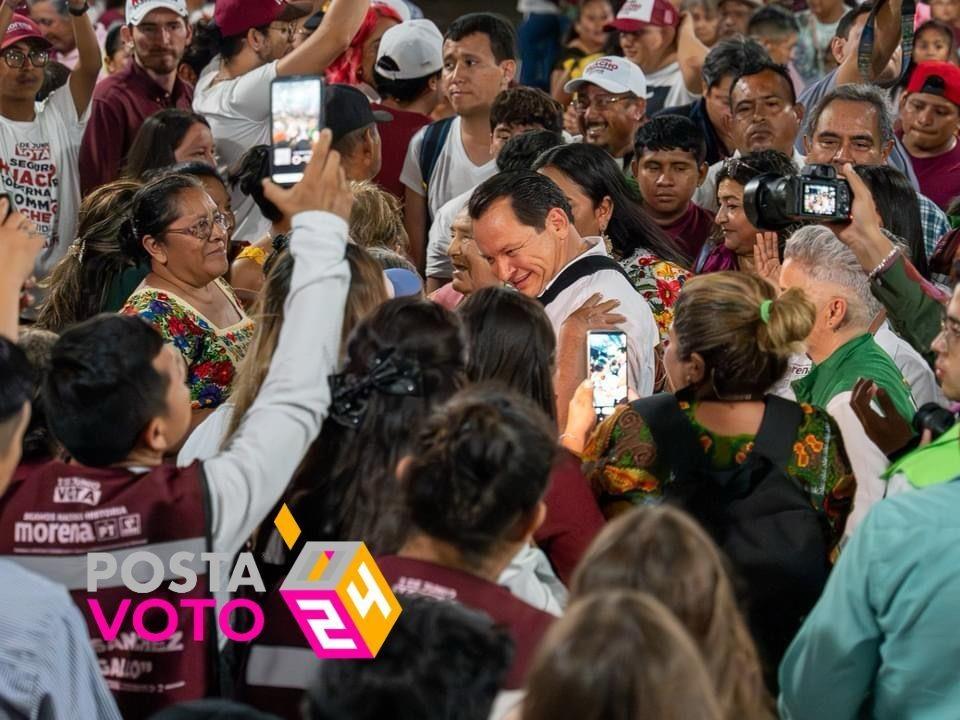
[(855, 359), (932, 464)]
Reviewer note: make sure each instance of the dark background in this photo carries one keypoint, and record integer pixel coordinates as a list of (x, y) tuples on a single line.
[(442, 12)]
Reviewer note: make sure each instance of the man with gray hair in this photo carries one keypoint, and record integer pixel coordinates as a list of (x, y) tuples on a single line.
[(843, 350), (853, 124)]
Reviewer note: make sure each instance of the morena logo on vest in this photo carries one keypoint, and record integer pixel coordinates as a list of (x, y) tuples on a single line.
[(339, 598)]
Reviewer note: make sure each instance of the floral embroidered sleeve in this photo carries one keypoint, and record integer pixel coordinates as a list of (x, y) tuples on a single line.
[(820, 464), (659, 282), (620, 459)]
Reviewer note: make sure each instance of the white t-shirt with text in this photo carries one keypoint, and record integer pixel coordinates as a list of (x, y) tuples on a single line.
[(453, 174), (238, 111), (665, 88), (38, 164)]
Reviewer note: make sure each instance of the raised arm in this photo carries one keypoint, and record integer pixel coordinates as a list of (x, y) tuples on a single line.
[(84, 76), (336, 31), (690, 54), (886, 41), (21, 243), (250, 475)]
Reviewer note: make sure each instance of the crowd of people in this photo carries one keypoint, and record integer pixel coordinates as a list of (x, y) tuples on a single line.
[(758, 204)]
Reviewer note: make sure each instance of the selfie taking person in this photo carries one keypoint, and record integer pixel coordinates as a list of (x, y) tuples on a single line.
[(119, 403)]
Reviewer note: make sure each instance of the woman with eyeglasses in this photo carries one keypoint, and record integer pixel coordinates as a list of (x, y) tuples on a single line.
[(732, 246), (177, 230)]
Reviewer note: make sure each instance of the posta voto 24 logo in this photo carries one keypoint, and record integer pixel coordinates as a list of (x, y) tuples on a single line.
[(335, 591)]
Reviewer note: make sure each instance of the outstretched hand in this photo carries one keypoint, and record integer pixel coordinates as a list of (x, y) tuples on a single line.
[(323, 187), (766, 256), (889, 432)]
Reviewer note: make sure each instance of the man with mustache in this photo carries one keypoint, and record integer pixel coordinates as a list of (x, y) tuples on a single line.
[(611, 105), (765, 116), (159, 33)]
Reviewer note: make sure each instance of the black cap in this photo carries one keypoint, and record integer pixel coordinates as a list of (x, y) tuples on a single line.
[(348, 109)]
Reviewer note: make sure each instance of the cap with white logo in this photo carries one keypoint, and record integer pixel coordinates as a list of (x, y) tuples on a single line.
[(638, 14), (613, 74), (413, 49), (137, 10)]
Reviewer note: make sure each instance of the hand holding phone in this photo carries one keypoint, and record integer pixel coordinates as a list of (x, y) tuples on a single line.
[(607, 368), (296, 119)]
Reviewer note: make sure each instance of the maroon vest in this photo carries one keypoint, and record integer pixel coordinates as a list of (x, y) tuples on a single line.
[(51, 517)]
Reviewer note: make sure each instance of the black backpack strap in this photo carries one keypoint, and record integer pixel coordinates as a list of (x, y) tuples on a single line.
[(580, 269), (672, 433), (434, 138), (778, 430)]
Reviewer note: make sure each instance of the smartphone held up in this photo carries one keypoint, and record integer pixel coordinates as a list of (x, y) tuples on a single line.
[(296, 119), (607, 369)]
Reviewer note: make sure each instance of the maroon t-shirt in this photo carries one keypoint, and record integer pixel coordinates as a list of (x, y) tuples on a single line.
[(692, 230), (573, 516), (525, 623), (121, 102), (395, 138), (939, 176)]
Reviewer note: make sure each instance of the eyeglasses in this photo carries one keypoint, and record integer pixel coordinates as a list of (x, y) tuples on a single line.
[(203, 229), (734, 168), (601, 102), (16, 58), (287, 29), (950, 329)]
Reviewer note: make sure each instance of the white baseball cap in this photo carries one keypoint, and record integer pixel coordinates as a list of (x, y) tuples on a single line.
[(413, 49), (613, 74), (137, 10), (398, 6)]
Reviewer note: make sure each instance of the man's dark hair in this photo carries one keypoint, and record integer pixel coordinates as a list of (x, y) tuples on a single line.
[(403, 91), (772, 20), (248, 175), (532, 197), (671, 132), (441, 660), (729, 58), (16, 388), (520, 151), (102, 388), (503, 38), (850, 17), (768, 66), (526, 106)]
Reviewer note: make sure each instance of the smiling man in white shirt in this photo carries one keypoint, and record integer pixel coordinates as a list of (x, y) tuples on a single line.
[(523, 226)]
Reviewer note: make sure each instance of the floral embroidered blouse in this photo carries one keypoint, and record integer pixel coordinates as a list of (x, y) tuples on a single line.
[(622, 462), (659, 282), (211, 353)]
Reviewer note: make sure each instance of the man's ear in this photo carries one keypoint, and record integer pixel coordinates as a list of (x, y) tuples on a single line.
[(836, 49), (186, 74), (702, 174), (509, 70), (799, 111), (403, 468), (154, 436), (126, 35), (640, 109), (886, 149), (836, 312), (557, 220)]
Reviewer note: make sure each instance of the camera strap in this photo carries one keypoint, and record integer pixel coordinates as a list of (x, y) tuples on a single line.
[(868, 37)]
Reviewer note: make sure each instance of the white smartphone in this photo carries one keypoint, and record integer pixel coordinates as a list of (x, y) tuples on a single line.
[(296, 119), (607, 368)]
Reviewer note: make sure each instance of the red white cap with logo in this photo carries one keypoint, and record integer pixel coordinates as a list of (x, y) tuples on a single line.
[(613, 74), (638, 14), (235, 17), (22, 28)]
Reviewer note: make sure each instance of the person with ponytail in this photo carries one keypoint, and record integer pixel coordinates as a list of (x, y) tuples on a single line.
[(95, 275), (175, 228), (730, 342), (355, 66)]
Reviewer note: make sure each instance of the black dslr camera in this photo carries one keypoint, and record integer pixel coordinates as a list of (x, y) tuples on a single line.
[(773, 202)]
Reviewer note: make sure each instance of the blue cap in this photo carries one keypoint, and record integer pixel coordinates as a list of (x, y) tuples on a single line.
[(404, 282)]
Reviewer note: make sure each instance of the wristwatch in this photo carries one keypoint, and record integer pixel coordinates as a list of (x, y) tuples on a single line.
[(79, 12)]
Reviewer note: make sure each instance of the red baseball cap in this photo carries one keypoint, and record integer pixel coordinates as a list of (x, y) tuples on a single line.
[(22, 28), (638, 14), (235, 17), (936, 78)]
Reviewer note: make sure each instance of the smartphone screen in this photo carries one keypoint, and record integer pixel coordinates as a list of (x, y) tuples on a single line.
[(296, 118), (607, 368)]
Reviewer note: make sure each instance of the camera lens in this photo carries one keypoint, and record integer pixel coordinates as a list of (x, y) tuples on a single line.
[(765, 200)]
